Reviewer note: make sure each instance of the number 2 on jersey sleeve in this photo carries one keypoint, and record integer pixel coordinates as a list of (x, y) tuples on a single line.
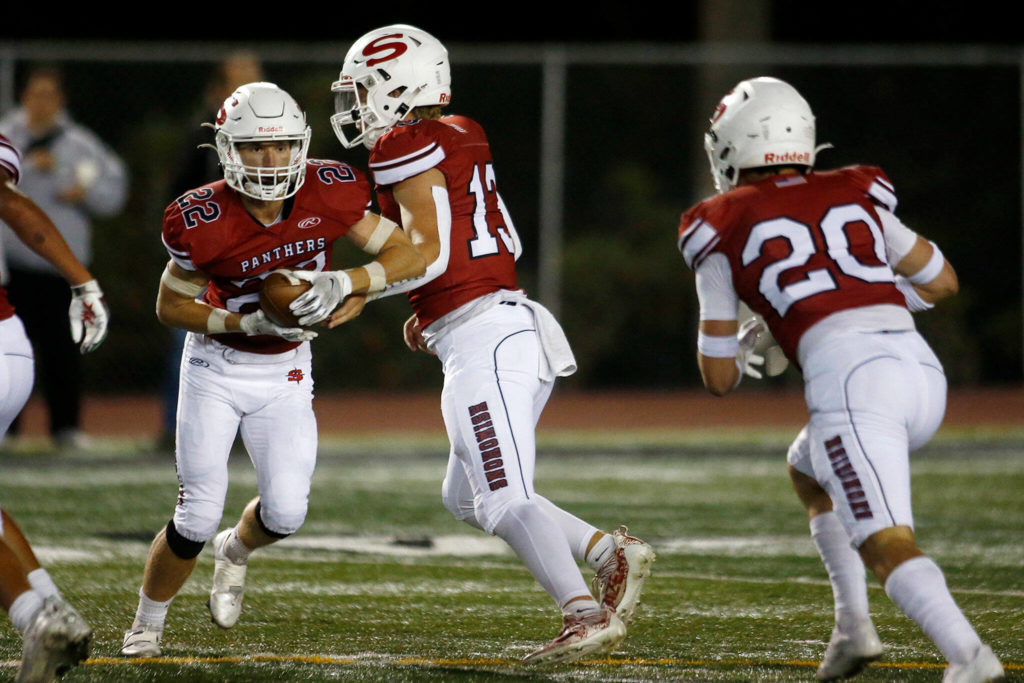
[(484, 243), (801, 241)]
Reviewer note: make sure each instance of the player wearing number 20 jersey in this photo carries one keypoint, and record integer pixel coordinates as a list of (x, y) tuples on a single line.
[(801, 247), (822, 258)]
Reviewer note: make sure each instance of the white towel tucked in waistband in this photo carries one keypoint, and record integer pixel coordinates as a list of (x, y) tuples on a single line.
[(560, 361)]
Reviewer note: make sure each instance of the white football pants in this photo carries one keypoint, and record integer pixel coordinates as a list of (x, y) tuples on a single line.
[(17, 371), (491, 401), (873, 398), (270, 399)]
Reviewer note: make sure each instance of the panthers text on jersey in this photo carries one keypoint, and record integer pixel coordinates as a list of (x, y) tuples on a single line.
[(10, 161), (800, 247), (208, 230), (482, 243)]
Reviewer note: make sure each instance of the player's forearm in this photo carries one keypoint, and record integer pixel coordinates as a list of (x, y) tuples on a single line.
[(193, 316), (719, 374), (37, 231), (393, 264)]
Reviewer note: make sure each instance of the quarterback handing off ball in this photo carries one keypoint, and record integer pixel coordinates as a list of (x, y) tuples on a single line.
[(280, 289)]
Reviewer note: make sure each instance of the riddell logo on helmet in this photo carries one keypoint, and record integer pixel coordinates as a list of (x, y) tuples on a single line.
[(270, 129), (444, 98), (787, 157)]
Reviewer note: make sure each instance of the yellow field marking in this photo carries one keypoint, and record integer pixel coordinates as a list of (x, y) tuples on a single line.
[(485, 661)]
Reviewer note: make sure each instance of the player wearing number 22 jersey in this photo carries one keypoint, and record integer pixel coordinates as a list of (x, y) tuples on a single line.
[(835, 275), (209, 230), (500, 351)]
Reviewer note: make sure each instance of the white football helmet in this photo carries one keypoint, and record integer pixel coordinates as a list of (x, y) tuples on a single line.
[(386, 73), (262, 112), (761, 122)]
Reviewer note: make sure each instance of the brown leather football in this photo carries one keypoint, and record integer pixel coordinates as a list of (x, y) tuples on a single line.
[(280, 289)]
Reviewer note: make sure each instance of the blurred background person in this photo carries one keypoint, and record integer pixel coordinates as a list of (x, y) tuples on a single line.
[(198, 166), (73, 176)]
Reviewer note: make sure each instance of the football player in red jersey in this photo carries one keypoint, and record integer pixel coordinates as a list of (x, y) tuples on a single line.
[(500, 351), (274, 209), (55, 635), (822, 258)]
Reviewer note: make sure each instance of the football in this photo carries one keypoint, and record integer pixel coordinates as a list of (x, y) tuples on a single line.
[(280, 289)]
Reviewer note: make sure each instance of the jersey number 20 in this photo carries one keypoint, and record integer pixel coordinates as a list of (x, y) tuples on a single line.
[(801, 240)]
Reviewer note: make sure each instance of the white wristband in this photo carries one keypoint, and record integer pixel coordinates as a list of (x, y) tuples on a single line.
[(717, 347), (217, 322), (931, 269)]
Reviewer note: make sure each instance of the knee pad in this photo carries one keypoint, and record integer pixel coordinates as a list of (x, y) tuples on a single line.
[(181, 546), (292, 522)]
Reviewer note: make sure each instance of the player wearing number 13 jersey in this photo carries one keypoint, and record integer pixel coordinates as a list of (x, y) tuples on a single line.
[(500, 351), (822, 258)]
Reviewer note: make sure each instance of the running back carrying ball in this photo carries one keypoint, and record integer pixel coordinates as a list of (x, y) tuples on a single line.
[(280, 289)]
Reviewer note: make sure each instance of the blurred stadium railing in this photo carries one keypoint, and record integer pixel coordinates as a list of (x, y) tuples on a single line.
[(598, 150)]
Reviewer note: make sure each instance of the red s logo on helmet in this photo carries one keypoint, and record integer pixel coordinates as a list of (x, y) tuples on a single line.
[(392, 49)]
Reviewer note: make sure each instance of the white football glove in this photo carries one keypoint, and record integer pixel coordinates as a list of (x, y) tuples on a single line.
[(746, 359), (89, 316), (328, 291), (915, 304), (258, 323)]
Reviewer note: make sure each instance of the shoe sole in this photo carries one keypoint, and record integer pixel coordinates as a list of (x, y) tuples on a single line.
[(639, 558)]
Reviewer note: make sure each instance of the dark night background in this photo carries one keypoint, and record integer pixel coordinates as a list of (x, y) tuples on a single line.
[(948, 135)]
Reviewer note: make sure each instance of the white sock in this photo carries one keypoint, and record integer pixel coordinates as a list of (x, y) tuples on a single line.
[(845, 570), (23, 609), (576, 531), (235, 550), (151, 613), (601, 551), (42, 583), (543, 548), (919, 589)]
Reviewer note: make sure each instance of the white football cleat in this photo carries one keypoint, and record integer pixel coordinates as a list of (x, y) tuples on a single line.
[(581, 636), (142, 641), (56, 640), (984, 668), (225, 601), (620, 579), (849, 652)]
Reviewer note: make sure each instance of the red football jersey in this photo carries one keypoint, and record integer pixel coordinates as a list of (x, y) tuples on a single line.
[(800, 247), (10, 161), (482, 243), (208, 230)]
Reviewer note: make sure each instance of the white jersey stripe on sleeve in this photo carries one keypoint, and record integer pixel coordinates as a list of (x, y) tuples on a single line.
[(182, 258), (396, 170), (882, 192), (10, 160), (696, 242)]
